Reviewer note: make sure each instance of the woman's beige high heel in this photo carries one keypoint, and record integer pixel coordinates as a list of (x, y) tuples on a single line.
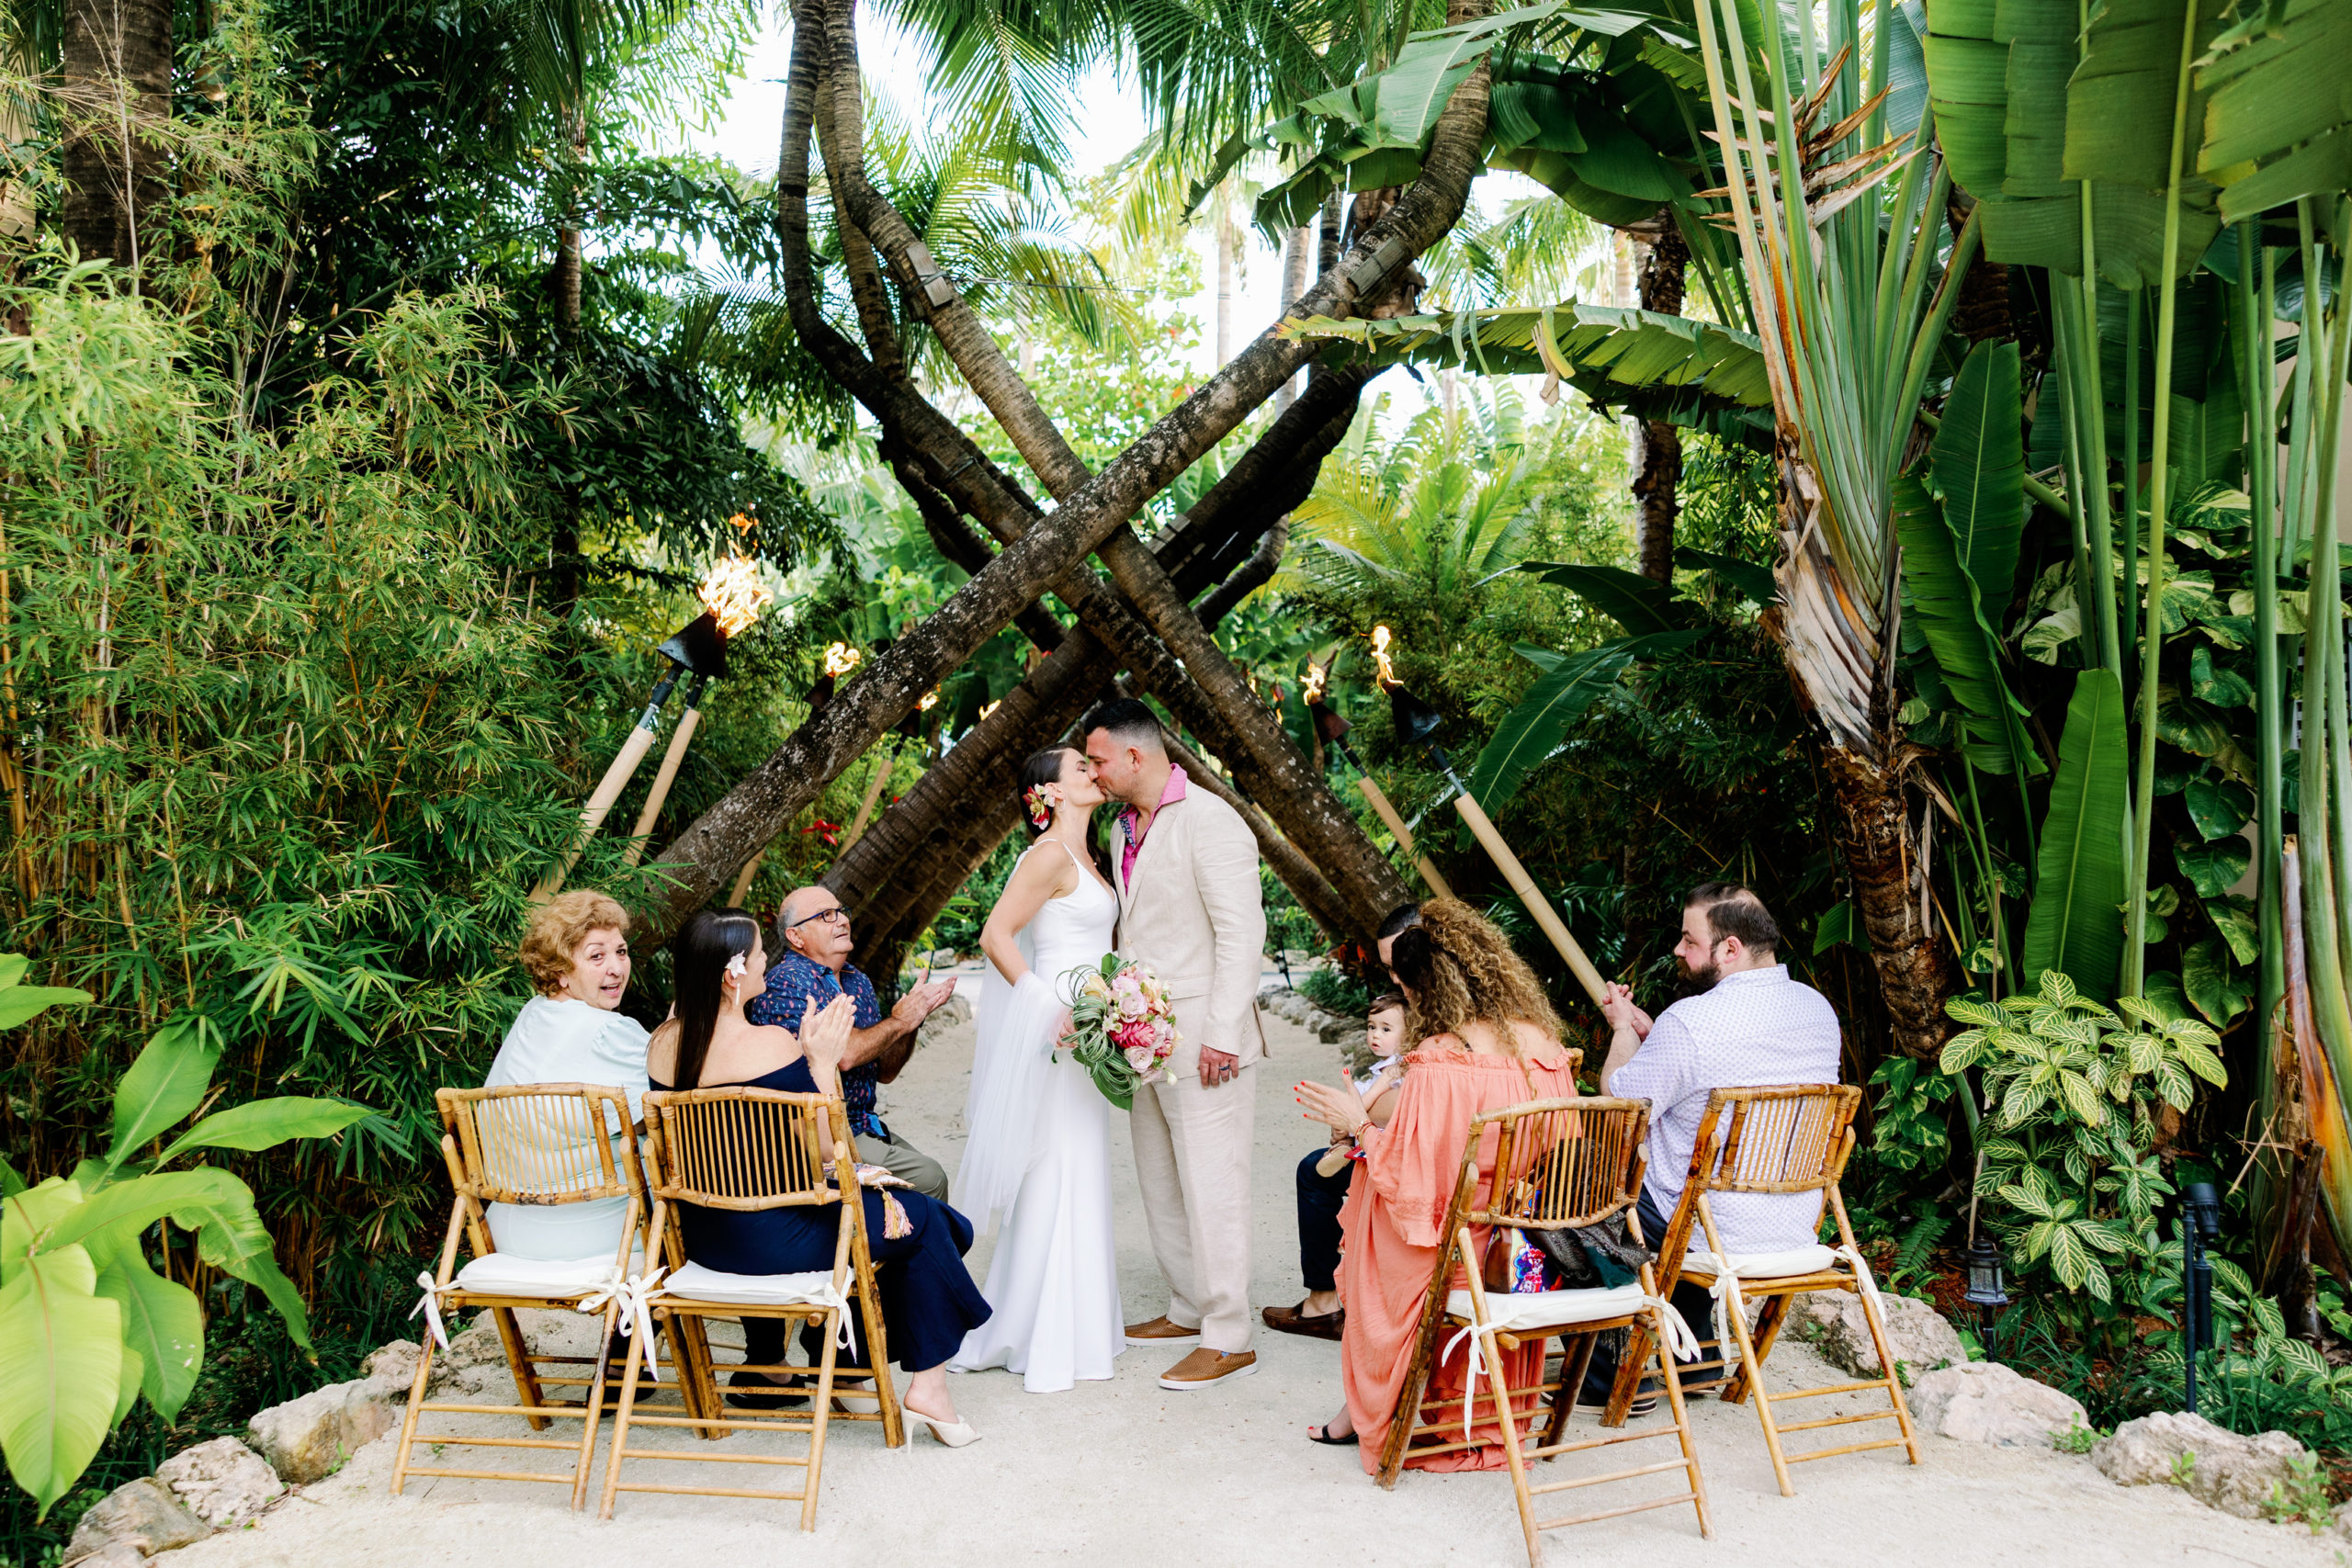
[(954, 1434)]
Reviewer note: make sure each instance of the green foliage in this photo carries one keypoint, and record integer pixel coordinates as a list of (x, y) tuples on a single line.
[(2078, 1438), (2076, 925), (2302, 1498), (86, 1327), (1336, 991), (2071, 1091), (1911, 1130)]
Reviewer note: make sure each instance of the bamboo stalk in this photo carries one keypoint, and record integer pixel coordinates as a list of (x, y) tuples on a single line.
[(1483, 826), (680, 738), (743, 878), (873, 787), (1387, 813)]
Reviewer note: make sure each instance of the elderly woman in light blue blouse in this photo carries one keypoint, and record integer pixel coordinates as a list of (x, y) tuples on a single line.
[(577, 953)]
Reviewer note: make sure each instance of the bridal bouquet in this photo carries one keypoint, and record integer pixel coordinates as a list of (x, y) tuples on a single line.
[(1122, 1027)]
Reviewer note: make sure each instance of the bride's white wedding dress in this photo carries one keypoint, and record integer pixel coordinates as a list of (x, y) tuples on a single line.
[(1039, 1149)]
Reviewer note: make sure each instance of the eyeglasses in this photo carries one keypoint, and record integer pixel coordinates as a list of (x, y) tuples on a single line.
[(835, 916)]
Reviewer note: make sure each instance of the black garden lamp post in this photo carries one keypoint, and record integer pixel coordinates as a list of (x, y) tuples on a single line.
[(2201, 1221)]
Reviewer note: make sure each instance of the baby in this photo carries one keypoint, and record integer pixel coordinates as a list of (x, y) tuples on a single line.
[(1324, 1176)]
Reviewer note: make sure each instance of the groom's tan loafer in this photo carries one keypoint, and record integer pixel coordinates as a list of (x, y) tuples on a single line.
[(1205, 1367), (1160, 1331)]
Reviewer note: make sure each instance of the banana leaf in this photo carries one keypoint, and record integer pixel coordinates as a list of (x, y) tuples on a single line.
[(2076, 925), (1530, 732), (1951, 615), (1650, 365), (1978, 460), (1643, 605)]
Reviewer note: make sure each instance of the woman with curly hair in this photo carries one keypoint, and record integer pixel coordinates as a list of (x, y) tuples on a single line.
[(1488, 1038), (576, 953)]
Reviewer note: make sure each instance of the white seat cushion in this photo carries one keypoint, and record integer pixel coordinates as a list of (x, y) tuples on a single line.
[(1546, 1309), (503, 1274), (697, 1283), (1810, 1259)]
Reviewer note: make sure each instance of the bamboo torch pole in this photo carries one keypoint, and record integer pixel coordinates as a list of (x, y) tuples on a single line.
[(1416, 720), (731, 597), (680, 738), (1334, 729)]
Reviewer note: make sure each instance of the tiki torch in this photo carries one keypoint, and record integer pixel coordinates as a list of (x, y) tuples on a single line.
[(1416, 721), (731, 598), (1334, 729)]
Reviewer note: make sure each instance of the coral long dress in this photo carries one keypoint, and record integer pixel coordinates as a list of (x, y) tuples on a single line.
[(1394, 1210)]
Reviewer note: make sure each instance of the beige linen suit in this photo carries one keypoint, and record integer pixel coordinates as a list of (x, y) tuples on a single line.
[(1194, 913)]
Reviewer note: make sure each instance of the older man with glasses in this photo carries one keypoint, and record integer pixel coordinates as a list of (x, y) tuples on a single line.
[(813, 933)]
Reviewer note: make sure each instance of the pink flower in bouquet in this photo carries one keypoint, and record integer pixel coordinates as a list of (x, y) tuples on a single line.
[(1142, 1058)]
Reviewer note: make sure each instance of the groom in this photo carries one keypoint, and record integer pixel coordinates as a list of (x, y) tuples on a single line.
[(1189, 907)]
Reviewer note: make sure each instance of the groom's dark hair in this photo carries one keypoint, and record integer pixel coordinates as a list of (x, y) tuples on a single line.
[(1128, 719)]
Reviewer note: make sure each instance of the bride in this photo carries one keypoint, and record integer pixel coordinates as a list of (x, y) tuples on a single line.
[(1038, 1140)]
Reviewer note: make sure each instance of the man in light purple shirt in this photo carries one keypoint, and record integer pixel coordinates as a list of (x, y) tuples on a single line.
[(1749, 1024)]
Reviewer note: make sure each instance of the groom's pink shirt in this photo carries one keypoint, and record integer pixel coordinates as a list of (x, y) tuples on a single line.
[(1133, 836)]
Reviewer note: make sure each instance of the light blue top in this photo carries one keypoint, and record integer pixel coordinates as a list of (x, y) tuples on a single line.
[(568, 1040)]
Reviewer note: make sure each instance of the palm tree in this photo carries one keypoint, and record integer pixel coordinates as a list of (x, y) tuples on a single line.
[(885, 256)]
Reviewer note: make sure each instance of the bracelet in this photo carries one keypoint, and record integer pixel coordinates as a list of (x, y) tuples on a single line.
[(1361, 1128)]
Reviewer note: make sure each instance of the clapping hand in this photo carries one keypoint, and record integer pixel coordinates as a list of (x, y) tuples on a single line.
[(824, 1032), (921, 1001), (1338, 1107)]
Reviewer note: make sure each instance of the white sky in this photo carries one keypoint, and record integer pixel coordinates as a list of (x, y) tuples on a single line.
[(751, 124)]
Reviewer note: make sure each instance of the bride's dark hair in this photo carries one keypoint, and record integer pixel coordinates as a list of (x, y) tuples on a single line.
[(1042, 768), (700, 952)]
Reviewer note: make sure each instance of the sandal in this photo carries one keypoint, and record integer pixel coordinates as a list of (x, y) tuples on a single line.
[(1324, 1436)]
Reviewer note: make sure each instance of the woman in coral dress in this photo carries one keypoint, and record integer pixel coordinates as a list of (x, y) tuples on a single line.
[(1489, 1039)]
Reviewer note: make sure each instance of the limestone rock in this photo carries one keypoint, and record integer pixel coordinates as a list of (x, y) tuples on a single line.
[(948, 1015), (222, 1481), (1292, 1007), (2221, 1469), (1984, 1402), (139, 1516), (393, 1365), (309, 1438), (2343, 1525), (1920, 1339), (115, 1554)]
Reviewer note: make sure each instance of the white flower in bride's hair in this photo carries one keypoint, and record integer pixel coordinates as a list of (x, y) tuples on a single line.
[(736, 966)]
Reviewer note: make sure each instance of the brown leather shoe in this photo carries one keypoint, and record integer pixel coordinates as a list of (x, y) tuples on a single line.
[(1160, 1331), (1204, 1368), (1316, 1325)]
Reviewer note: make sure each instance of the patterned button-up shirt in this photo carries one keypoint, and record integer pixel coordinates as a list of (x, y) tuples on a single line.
[(791, 984), (1755, 1027)]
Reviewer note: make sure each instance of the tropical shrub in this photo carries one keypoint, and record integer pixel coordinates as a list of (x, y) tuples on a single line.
[(86, 1324), (2071, 1091)]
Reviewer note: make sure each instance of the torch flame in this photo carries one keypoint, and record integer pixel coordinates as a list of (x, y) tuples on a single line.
[(733, 593), (740, 523), (1316, 675), (1383, 671), (930, 701), (841, 658)]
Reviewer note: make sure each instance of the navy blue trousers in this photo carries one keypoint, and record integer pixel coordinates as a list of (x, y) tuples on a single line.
[(1319, 1198)]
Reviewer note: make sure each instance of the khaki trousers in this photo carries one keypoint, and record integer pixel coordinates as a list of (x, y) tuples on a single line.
[(906, 1162), (1192, 1146)]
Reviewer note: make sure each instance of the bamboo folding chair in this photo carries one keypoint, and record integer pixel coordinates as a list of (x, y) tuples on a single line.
[(1783, 1139), (747, 1150), (541, 1144), (1559, 1164)]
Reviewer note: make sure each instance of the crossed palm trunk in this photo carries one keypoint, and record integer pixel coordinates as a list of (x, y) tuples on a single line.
[(1143, 618)]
